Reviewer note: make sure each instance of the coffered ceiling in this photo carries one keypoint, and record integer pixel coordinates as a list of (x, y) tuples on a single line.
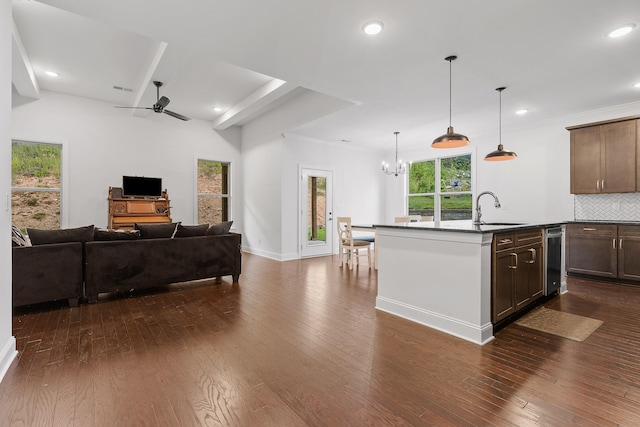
[(247, 56)]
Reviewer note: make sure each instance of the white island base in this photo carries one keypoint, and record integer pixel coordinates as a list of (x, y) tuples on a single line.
[(441, 279)]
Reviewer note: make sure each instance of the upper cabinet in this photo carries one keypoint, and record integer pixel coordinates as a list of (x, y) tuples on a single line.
[(604, 157)]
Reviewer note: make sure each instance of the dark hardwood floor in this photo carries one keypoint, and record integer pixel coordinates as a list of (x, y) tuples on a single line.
[(299, 343)]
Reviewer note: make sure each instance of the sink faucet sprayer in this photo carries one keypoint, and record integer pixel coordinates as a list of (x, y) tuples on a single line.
[(478, 221)]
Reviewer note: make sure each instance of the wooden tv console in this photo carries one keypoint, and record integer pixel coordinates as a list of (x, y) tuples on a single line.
[(124, 212)]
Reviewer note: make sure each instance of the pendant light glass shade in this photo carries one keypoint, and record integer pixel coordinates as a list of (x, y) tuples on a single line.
[(500, 154), (450, 139)]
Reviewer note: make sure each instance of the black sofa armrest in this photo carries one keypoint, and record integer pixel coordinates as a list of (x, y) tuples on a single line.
[(47, 273)]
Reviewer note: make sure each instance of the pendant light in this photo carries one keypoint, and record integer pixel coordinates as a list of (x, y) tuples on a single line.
[(500, 154), (450, 139), (400, 168)]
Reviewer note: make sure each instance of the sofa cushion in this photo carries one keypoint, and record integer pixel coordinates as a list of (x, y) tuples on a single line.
[(217, 229), (17, 238), (191, 230), (45, 237), (108, 235), (157, 231)]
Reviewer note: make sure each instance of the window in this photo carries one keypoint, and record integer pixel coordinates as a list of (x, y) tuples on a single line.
[(213, 192), (35, 185), (441, 188)]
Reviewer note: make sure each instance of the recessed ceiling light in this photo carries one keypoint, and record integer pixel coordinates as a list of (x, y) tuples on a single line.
[(637, 85), (373, 27), (523, 111), (52, 73), (217, 109), (622, 31)]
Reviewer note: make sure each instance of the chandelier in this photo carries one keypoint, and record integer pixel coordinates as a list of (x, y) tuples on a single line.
[(400, 168)]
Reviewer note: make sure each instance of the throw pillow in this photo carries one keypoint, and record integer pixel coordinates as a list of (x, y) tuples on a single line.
[(45, 237), (157, 231), (108, 235), (217, 229), (17, 238), (191, 230)]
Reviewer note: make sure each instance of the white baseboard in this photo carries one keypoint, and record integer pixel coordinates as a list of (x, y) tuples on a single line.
[(7, 355), (475, 333), (260, 252)]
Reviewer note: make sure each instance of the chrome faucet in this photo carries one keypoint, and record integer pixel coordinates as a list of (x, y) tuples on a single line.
[(478, 221)]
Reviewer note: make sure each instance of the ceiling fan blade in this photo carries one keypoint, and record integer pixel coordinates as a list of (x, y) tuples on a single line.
[(176, 115), (141, 108)]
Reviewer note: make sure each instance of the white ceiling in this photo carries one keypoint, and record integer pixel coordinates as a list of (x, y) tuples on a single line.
[(553, 56)]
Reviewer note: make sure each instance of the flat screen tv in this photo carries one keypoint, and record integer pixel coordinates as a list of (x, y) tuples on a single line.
[(139, 186)]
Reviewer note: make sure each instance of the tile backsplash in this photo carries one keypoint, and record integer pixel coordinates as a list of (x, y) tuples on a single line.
[(614, 207)]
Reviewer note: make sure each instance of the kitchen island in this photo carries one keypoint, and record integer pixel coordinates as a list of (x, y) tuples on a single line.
[(439, 274)]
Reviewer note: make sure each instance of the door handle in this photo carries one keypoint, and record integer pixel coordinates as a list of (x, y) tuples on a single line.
[(533, 256), (514, 266)]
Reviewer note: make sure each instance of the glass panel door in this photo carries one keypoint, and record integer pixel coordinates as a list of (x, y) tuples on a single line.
[(316, 220)]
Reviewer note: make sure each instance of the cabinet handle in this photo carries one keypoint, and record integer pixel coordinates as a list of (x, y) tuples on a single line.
[(598, 184), (602, 186), (514, 266), (614, 244), (620, 245), (589, 229), (505, 240), (533, 256)]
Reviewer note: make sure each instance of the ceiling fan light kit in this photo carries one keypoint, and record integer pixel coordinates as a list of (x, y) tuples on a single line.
[(500, 154), (450, 139), (161, 103)]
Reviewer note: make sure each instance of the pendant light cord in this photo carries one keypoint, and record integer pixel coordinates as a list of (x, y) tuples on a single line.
[(500, 120), (450, 92)]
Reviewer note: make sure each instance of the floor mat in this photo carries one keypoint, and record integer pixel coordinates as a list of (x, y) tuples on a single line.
[(566, 325)]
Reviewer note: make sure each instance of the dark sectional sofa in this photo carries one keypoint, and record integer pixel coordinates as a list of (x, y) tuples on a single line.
[(81, 270), (137, 264)]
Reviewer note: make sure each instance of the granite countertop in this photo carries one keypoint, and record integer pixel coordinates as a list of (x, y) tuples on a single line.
[(467, 226), (603, 221)]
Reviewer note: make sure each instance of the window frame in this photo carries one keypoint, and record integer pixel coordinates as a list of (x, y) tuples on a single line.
[(222, 196), (438, 193)]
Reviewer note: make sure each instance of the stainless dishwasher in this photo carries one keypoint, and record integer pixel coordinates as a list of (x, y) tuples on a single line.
[(552, 259)]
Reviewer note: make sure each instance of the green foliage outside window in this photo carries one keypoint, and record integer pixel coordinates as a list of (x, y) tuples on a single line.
[(35, 159), (454, 192)]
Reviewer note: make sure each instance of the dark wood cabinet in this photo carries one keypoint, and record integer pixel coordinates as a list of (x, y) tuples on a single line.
[(529, 283), (517, 278), (604, 157), (629, 252), (592, 249), (504, 264), (606, 250)]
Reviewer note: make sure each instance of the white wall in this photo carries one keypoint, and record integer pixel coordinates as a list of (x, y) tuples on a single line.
[(358, 189), (532, 188), (271, 173), (105, 143), (7, 341)]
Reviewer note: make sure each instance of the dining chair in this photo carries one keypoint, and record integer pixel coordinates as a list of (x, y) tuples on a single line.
[(402, 219), (349, 246)]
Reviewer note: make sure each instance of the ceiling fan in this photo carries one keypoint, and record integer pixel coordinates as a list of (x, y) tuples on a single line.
[(160, 104)]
